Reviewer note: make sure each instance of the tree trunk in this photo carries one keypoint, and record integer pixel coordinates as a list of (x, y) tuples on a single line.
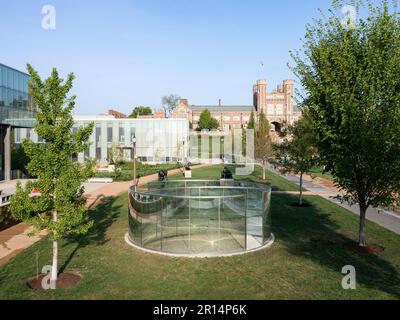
[(301, 189), (361, 235), (54, 269)]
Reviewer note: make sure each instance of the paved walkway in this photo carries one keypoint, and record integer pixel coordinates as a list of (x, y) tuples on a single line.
[(326, 189), (15, 239)]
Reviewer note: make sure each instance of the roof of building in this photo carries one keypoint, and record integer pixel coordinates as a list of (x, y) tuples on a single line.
[(3, 65), (223, 108), (106, 117)]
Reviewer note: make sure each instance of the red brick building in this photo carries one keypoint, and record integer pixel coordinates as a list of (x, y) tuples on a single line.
[(278, 106)]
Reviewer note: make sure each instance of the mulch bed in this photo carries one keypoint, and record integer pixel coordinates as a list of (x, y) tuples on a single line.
[(8, 223), (372, 248), (64, 281)]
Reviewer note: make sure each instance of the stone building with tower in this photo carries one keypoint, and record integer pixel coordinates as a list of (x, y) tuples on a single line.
[(278, 106)]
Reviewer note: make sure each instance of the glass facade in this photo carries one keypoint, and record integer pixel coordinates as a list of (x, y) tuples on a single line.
[(16, 104), (157, 140), (17, 110), (200, 217)]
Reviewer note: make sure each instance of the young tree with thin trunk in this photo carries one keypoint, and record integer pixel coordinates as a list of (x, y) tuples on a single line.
[(263, 148), (350, 74), (60, 207), (297, 153)]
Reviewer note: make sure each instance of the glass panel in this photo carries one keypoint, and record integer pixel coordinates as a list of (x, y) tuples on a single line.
[(109, 134), (200, 217)]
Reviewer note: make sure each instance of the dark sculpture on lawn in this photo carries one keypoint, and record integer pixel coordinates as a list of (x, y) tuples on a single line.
[(162, 175), (226, 174)]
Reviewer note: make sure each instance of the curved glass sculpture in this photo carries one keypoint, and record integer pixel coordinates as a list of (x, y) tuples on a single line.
[(199, 217)]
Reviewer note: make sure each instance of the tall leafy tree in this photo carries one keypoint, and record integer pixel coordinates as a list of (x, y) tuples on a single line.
[(169, 103), (263, 148), (19, 159), (60, 207), (252, 123), (140, 111), (297, 153), (207, 122), (350, 74)]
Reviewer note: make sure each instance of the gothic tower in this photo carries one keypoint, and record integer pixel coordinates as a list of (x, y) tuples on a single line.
[(260, 96), (288, 90)]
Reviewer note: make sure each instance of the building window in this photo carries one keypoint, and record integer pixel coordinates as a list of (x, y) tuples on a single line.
[(227, 118), (236, 118), (86, 153), (17, 135), (196, 118), (132, 134), (271, 109), (226, 126), (279, 109), (121, 134), (109, 134), (98, 134)]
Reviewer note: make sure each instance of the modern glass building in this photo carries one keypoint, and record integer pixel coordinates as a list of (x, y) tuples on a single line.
[(157, 140), (17, 110)]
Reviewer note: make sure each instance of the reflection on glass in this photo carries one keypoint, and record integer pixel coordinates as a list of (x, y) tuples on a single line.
[(200, 217)]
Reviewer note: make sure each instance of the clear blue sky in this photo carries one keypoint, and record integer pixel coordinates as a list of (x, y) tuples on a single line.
[(129, 53)]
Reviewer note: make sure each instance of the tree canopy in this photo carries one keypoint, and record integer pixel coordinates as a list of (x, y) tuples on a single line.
[(252, 123), (207, 122), (262, 139), (141, 111), (297, 153), (170, 102), (350, 75)]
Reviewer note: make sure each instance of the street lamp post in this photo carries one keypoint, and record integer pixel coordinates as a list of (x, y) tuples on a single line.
[(134, 159), (183, 151), (222, 150)]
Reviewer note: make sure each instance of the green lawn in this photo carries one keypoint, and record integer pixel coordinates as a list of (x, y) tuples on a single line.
[(276, 181), (305, 262), (319, 172)]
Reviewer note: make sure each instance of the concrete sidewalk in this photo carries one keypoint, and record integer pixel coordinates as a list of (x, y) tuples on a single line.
[(15, 239), (325, 189)]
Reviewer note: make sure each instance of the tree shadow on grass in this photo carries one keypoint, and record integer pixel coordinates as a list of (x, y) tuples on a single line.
[(103, 216), (312, 233)]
